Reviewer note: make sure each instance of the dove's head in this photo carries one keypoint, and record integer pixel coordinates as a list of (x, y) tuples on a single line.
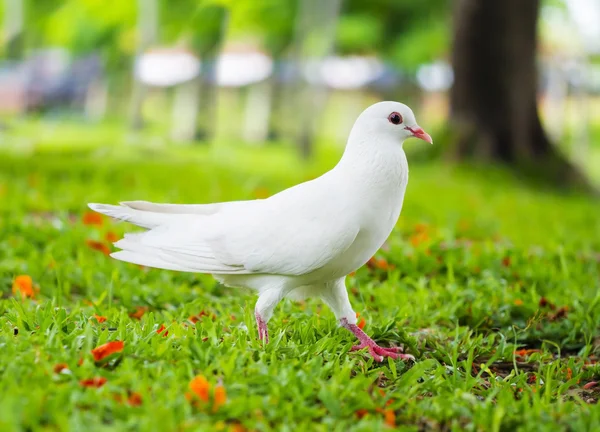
[(393, 120)]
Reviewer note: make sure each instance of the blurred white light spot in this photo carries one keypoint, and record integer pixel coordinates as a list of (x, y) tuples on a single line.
[(237, 69), (345, 73), (435, 77), (166, 67)]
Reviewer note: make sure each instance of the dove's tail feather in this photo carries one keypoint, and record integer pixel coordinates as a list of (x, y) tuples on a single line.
[(199, 209), (135, 251), (148, 261), (145, 219)]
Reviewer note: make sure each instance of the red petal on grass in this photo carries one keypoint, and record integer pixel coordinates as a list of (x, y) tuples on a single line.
[(92, 218), (526, 352), (544, 302), (134, 399), (419, 238), (389, 416), (23, 284), (360, 413), (421, 228), (111, 237), (195, 318), (201, 387), (379, 263), (506, 261), (560, 314), (96, 382), (107, 349), (590, 385), (220, 398), (100, 318), (139, 312), (161, 329), (58, 368), (99, 246)]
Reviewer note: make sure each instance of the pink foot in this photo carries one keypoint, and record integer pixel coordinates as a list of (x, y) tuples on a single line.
[(377, 352), (263, 332)]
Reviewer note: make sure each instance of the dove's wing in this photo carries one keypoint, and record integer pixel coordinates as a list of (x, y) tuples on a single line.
[(286, 234), (291, 242)]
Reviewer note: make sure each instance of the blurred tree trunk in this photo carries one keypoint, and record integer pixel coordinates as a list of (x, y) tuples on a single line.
[(493, 100), (315, 21), (147, 36), (210, 26), (276, 101), (13, 29)]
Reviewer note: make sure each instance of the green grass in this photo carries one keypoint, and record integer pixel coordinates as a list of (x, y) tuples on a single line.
[(473, 254)]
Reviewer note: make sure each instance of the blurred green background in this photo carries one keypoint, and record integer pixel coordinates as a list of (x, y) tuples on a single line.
[(491, 277)]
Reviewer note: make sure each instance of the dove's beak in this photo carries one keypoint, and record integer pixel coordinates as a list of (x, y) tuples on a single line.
[(420, 133)]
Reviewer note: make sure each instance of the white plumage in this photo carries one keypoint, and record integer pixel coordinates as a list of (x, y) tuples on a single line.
[(301, 241)]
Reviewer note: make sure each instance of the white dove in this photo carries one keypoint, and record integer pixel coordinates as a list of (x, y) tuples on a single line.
[(298, 243)]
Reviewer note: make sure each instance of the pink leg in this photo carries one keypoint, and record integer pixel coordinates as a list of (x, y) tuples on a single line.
[(263, 332), (377, 352)]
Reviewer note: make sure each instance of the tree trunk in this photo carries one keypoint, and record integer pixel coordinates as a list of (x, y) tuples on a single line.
[(207, 99), (315, 21), (13, 29), (493, 100), (147, 35)]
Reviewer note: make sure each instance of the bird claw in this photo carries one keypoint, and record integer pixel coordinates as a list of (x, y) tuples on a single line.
[(378, 353), (263, 332)]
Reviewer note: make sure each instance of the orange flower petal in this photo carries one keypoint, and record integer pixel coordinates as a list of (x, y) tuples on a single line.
[(220, 397), (195, 318), (362, 323), (526, 352), (92, 218), (100, 318), (58, 368), (518, 302), (23, 284), (96, 382), (107, 349), (360, 413), (139, 312), (99, 246), (421, 228), (390, 418), (237, 427), (111, 237), (200, 386), (417, 239), (134, 399), (161, 329)]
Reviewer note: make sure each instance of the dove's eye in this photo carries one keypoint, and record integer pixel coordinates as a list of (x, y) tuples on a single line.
[(395, 118)]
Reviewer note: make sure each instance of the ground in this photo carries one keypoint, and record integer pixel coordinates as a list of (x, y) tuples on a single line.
[(491, 284)]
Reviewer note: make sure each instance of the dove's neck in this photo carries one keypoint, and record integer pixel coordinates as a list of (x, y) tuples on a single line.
[(375, 163)]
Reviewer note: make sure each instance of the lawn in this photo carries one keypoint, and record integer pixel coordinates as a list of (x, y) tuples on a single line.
[(492, 284)]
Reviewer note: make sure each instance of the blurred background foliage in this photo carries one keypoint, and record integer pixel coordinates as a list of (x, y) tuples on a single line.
[(295, 72)]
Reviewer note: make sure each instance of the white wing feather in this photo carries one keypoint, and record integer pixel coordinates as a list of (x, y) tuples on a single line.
[(284, 234)]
